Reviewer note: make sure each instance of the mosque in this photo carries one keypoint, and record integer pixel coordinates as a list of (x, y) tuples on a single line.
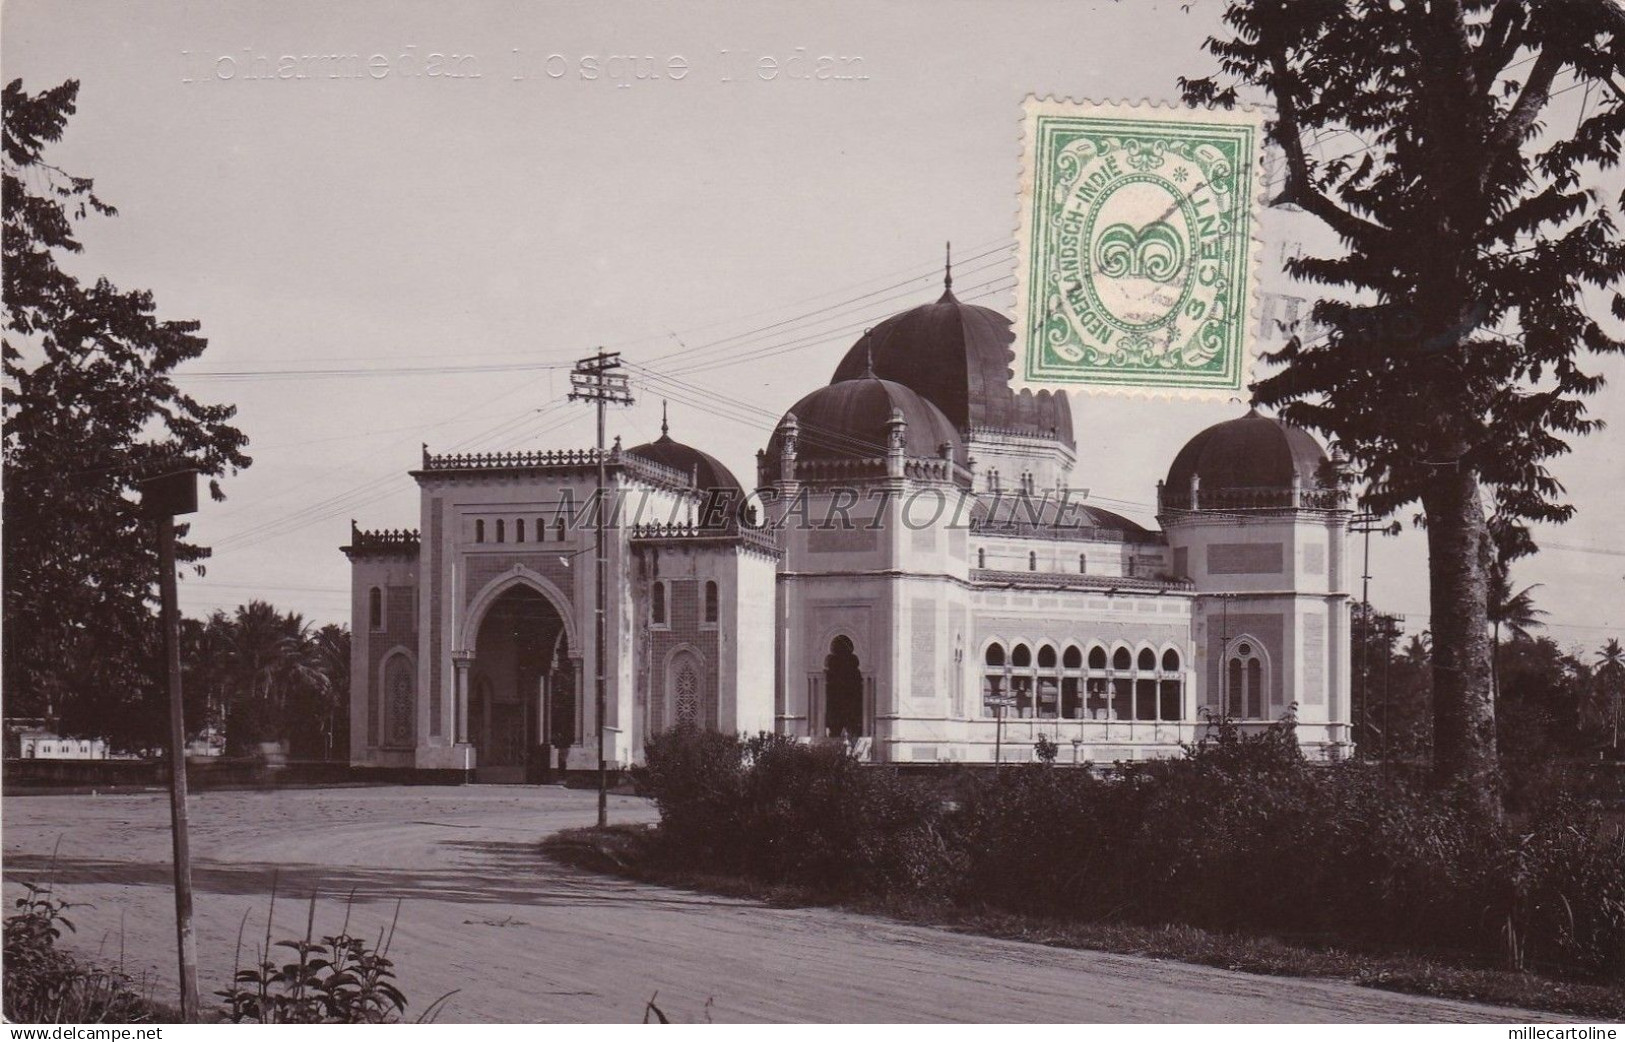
[(912, 574)]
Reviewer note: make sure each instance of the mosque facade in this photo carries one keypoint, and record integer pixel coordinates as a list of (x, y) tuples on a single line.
[(914, 573)]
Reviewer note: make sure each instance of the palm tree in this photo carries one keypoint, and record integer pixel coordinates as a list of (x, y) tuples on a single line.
[(1611, 676), (1515, 611), (266, 653)]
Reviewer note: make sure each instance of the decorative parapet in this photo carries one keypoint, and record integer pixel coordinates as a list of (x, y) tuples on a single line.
[(1260, 499), (1108, 584), (556, 459), (731, 534), (916, 468), (1066, 533), (976, 432), (383, 542)]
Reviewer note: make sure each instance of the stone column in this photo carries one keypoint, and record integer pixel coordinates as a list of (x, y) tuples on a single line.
[(462, 660)]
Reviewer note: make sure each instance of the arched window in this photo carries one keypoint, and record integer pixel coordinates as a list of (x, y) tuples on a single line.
[(502, 531), (710, 601), (657, 604), (993, 678), (1049, 684), (1245, 676), (1071, 683), (1021, 684), (1122, 685), (1083, 563), (1145, 685), (981, 557), (993, 480), (375, 609), (1032, 560), (1170, 687), (684, 697), (479, 530), (519, 530), (558, 530)]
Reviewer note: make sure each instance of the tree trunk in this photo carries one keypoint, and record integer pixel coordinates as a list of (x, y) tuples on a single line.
[(1463, 709)]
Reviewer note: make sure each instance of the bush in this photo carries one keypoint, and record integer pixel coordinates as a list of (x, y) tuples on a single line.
[(1241, 834), (45, 985), (787, 812)]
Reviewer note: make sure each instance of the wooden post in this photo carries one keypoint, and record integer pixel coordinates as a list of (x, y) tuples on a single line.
[(163, 498)]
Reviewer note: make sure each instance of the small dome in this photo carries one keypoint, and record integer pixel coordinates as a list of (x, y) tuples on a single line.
[(849, 420), (706, 470), (958, 357), (1252, 452)]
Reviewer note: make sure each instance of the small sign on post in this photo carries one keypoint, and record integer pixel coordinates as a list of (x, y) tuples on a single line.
[(162, 498)]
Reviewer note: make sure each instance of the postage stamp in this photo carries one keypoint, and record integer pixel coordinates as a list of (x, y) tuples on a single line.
[(1137, 258)]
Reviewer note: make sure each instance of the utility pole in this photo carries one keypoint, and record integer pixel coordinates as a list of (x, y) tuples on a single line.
[(1365, 523), (161, 499), (593, 380)]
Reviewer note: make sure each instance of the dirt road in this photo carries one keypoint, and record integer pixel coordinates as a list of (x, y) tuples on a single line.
[(522, 939)]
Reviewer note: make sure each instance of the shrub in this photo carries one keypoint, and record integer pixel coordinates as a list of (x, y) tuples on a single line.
[(45, 985), (784, 811), (1241, 834)]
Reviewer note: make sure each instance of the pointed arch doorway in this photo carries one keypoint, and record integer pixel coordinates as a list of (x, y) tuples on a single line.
[(843, 691), (522, 702)]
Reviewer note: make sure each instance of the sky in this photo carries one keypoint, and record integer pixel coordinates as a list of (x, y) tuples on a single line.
[(389, 258)]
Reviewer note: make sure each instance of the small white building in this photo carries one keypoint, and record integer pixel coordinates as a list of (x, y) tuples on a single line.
[(38, 743), (912, 572)]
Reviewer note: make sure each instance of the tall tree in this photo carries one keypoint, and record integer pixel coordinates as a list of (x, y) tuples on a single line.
[(1417, 130), (90, 410)]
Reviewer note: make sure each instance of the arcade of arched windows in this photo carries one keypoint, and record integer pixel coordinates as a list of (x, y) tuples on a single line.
[(1082, 681)]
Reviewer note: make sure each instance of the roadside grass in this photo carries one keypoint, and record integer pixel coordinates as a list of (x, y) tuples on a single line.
[(632, 852)]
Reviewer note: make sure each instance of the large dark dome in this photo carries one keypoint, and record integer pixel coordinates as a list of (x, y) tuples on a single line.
[(848, 420), (1252, 452), (706, 470), (958, 357)]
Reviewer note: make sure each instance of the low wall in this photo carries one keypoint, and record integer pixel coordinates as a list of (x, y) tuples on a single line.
[(21, 776)]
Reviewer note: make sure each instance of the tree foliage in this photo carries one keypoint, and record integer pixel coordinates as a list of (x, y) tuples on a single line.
[(258, 674), (91, 408), (1455, 318)]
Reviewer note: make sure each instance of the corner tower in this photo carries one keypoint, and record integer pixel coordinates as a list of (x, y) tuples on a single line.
[(1256, 518)]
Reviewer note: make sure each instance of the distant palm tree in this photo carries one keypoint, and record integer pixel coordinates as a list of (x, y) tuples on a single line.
[(1515, 611), (1417, 652), (1611, 675)]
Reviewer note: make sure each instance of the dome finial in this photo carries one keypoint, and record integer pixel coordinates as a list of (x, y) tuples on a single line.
[(663, 426), (948, 267)]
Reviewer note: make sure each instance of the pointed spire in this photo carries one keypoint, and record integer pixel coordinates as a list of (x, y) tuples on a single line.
[(664, 427), (948, 267)]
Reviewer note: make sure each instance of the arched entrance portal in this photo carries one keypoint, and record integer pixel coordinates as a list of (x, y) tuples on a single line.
[(843, 690), (522, 700)]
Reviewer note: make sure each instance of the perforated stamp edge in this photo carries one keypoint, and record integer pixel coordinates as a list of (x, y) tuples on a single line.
[(1032, 107)]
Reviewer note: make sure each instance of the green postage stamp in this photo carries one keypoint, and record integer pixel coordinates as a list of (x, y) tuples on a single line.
[(1138, 248)]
